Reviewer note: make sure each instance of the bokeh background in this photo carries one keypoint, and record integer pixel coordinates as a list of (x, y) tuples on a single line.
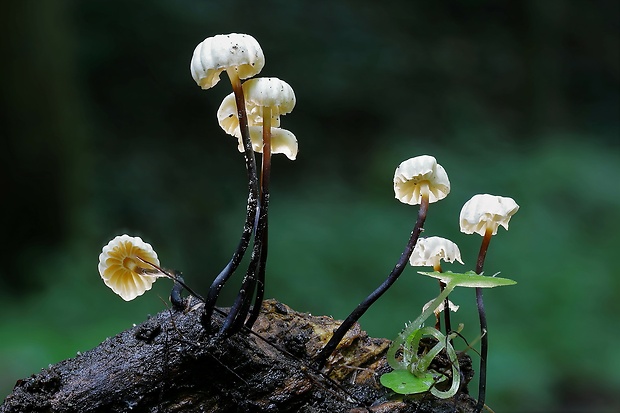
[(104, 132)]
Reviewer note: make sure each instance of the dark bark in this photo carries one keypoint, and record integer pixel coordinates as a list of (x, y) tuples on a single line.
[(170, 364)]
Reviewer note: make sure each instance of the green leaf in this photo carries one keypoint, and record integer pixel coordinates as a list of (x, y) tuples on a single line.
[(469, 279), (404, 382)]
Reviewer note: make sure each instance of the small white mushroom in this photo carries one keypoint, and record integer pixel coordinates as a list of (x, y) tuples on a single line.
[(239, 55), (430, 251), (264, 97), (122, 266), (271, 93), (485, 213), (438, 310), (282, 141), (420, 176)]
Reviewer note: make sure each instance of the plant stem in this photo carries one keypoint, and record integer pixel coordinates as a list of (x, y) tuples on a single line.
[(484, 342), (375, 295), (415, 325), (248, 227)]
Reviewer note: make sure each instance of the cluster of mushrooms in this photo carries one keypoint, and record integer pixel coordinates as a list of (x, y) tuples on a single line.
[(251, 114)]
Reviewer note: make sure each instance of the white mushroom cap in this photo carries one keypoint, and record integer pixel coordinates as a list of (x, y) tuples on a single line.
[(122, 270), (227, 116), (282, 141), (239, 52), (268, 92), (484, 211), (429, 251), (259, 93), (412, 174), (453, 307)]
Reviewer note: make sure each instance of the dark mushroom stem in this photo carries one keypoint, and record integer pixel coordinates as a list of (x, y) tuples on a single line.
[(248, 227), (446, 305), (260, 286), (264, 207), (375, 295), (254, 281), (446, 310), (484, 341), (240, 308)]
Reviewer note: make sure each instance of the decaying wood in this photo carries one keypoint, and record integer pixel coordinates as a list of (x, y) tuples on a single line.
[(170, 363)]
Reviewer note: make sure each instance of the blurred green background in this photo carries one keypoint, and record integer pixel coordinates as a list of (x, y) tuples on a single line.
[(104, 132)]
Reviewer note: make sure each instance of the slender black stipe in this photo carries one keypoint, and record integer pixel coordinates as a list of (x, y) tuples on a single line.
[(260, 286), (254, 283), (250, 164), (240, 308), (446, 311), (375, 295), (265, 177), (226, 273), (484, 341), (237, 313)]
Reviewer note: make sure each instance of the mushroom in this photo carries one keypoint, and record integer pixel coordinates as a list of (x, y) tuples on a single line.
[(451, 306), (417, 181), (429, 252), (241, 57), (420, 177), (282, 141), (266, 100), (123, 268), (483, 214)]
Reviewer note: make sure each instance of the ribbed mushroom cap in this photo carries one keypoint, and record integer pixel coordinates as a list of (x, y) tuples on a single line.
[(413, 173), (259, 93), (282, 141), (430, 251), (268, 92), (122, 270), (484, 211), (240, 52)]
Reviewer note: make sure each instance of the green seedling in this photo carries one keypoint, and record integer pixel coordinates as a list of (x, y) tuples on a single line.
[(411, 373)]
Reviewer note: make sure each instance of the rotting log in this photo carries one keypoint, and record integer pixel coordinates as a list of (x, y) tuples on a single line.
[(170, 364)]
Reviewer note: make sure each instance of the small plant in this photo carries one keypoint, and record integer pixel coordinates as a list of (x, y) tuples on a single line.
[(411, 374)]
